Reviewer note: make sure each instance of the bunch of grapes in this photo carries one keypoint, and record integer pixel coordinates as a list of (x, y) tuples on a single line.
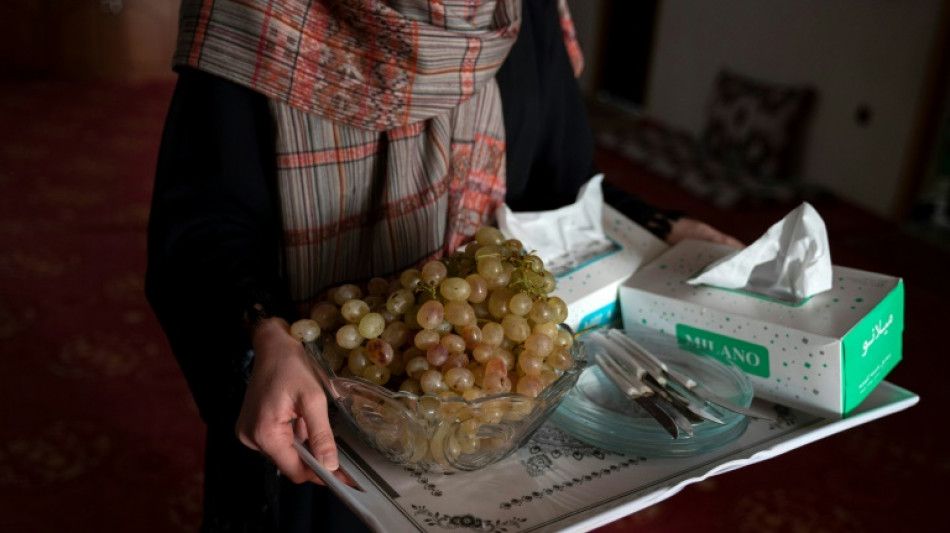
[(481, 322)]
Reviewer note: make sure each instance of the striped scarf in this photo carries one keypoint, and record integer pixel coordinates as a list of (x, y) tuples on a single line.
[(389, 133)]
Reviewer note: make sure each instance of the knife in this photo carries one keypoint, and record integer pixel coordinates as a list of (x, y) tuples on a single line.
[(655, 369), (653, 363), (669, 418)]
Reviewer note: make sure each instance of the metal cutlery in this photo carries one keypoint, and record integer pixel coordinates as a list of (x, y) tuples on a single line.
[(674, 399)]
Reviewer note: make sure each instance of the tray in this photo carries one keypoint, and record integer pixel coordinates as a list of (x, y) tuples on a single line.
[(557, 483)]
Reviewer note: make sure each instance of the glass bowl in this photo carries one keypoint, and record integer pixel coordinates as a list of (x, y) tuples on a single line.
[(598, 413), (450, 433)]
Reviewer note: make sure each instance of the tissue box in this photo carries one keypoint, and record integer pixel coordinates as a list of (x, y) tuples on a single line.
[(589, 287), (823, 355)]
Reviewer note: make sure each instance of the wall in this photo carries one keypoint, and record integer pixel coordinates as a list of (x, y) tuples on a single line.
[(88, 39), (856, 52)]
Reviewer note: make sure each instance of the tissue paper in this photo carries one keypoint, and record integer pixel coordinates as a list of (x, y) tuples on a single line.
[(790, 262), (563, 238), (589, 246)]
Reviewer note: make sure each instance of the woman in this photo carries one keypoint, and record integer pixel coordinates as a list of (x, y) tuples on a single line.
[(310, 143)]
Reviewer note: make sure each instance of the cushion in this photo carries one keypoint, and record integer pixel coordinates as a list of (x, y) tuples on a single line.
[(755, 127)]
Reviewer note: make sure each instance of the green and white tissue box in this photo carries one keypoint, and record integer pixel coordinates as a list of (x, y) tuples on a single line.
[(590, 287), (823, 355)]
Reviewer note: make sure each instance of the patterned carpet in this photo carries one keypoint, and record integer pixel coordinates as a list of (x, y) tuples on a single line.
[(98, 431)]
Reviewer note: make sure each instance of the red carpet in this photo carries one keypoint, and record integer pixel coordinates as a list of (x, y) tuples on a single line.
[(98, 431)]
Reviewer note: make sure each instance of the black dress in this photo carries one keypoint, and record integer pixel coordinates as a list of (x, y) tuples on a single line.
[(214, 237)]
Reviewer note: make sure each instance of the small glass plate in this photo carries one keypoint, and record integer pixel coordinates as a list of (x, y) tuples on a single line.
[(598, 413)]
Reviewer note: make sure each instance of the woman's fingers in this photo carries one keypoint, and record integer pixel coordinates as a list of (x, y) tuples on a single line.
[(319, 434), (688, 228), (283, 389), (273, 436)]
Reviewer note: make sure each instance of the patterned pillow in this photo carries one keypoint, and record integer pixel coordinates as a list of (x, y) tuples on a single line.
[(755, 127)]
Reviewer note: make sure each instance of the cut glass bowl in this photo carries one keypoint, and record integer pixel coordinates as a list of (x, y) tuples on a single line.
[(453, 433)]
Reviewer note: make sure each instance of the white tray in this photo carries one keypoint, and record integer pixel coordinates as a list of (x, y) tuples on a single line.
[(556, 483)]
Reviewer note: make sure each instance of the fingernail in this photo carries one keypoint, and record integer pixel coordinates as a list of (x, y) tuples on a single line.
[(329, 462)]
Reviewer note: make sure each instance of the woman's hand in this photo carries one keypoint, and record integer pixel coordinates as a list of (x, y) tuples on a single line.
[(688, 228), (284, 388)]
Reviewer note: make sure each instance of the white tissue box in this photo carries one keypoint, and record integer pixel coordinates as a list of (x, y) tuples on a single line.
[(590, 288), (823, 355)]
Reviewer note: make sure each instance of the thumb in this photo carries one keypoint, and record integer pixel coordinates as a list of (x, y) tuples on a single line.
[(315, 429)]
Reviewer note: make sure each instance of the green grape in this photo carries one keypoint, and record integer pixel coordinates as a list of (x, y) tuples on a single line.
[(416, 366), (559, 307), (514, 245), (483, 352), (376, 374), (459, 313), (411, 279), (490, 268), (377, 287), (560, 359), (548, 376), (493, 333), (437, 355), (445, 327), (396, 334), (453, 343), (358, 360), (346, 292), (534, 263), (456, 360), (455, 289), (496, 366), (564, 339), (542, 313), (375, 302), (481, 311), (539, 343), (498, 302), (459, 378), (488, 235), (430, 314), (548, 282), (399, 301), (520, 303), (496, 384), (371, 325), (550, 329), (431, 381), (504, 278), (468, 427), (516, 327), (305, 330), (426, 338), (472, 334), (530, 363), (353, 310), (349, 336), (325, 314), (433, 273), (530, 386), (379, 352), (506, 356), (478, 288), (411, 386)]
